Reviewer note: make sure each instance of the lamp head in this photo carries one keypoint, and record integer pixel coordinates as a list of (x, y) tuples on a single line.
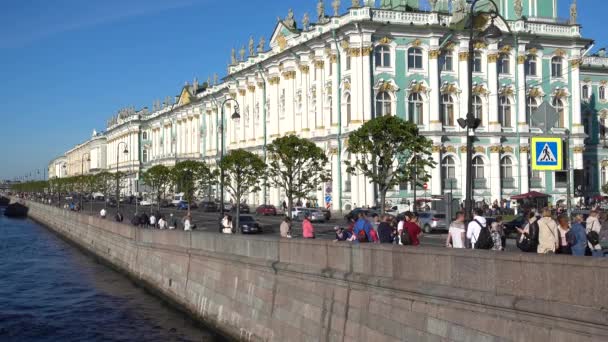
[(236, 116), (125, 151), (462, 123), (492, 33)]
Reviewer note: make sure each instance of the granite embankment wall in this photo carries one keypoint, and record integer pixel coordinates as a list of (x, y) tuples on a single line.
[(263, 289)]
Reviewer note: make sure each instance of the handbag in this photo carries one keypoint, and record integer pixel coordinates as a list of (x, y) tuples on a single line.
[(525, 244)]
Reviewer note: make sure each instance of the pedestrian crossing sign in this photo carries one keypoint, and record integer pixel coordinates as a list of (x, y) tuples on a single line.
[(547, 154)]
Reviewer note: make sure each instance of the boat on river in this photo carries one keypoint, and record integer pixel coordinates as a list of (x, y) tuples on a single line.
[(16, 210)]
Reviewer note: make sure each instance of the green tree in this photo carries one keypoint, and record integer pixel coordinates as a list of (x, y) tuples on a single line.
[(298, 166), (159, 179), (244, 172), (388, 151), (105, 182), (605, 188), (189, 176)]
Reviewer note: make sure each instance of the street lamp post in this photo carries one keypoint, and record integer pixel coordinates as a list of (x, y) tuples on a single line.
[(117, 177), (471, 123), (235, 116), (82, 172)]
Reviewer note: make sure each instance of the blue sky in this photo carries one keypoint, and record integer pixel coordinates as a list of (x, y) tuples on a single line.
[(67, 65)]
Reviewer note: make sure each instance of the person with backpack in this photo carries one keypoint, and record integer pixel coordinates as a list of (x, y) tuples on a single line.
[(478, 233), (413, 230), (565, 236), (456, 232), (547, 234), (385, 231), (594, 227), (362, 229), (528, 238), (579, 234)]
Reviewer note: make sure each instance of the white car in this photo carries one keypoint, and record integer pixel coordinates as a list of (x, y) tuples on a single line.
[(296, 211), (147, 203), (177, 199)]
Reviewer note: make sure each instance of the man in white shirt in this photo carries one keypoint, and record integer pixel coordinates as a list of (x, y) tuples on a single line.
[(162, 224), (456, 232), (474, 227), (102, 213), (153, 221)]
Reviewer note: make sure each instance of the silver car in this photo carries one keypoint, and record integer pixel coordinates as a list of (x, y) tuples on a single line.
[(315, 215)]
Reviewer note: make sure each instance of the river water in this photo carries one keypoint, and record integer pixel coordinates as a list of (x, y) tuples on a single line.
[(51, 291)]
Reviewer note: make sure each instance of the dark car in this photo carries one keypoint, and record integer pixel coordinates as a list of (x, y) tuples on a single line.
[(248, 225), (243, 209), (325, 212), (209, 207), (266, 209), (511, 226), (354, 214), (183, 205), (112, 202)]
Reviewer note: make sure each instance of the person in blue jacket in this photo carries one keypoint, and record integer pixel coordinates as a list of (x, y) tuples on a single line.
[(580, 236)]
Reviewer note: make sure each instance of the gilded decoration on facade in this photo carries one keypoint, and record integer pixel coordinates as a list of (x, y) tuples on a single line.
[(479, 45), (492, 58), (521, 59), (304, 69), (535, 92), (289, 75), (507, 149), (463, 56), (479, 90), (319, 64), (575, 63), (495, 149), (436, 148), (559, 53), (579, 149), (333, 58), (274, 80), (434, 54), (449, 149), (479, 149), (242, 92), (281, 41), (524, 149), (416, 43), (506, 49), (354, 52), (449, 88), (367, 51), (385, 40), (463, 149), (251, 88)]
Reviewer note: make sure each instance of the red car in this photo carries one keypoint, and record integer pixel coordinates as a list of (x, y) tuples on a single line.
[(266, 210)]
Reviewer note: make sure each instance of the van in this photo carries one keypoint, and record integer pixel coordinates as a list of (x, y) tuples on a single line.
[(177, 199)]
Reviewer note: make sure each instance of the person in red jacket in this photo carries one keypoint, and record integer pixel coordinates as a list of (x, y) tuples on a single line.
[(308, 231), (413, 229)]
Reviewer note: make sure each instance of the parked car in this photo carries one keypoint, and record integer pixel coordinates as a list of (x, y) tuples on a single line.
[(147, 203), (431, 221), (248, 225), (209, 206), (183, 205), (315, 215), (295, 212), (511, 226), (266, 209), (325, 212), (243, 208), (355, 213)]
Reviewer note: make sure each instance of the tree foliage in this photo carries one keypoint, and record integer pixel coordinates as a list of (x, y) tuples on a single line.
[(298, 166), (389, 151), (159, 178), (189, 176), (244, 172)]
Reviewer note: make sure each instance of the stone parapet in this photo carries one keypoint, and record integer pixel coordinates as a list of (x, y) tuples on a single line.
[(258, 288)]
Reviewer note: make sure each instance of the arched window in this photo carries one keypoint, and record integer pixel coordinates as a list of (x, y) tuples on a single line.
[(556, 67), (447, 110), (531, 107), (448, 168), (506, 168), (477, 62), (478, 168), (383, 104), (504, 111), (478, 108), (383, 56), (531, 66), (558, 104), (144, 135), (585, 92), (416, 108), (504, 64), (602, 93), (348, 108), (414, 58)]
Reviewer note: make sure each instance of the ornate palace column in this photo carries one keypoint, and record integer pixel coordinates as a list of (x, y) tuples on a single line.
[(435, 120), (495, 176), (493, 124), (436, 180), (524, 179)]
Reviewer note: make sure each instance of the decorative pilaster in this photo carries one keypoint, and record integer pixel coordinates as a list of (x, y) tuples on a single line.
[(463, 76), (493, 125), (495, 176), (435, 120)]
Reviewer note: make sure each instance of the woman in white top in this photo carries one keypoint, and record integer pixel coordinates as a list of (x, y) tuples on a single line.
[(456, 233), (187, 223), (227, 225), (162, 224)]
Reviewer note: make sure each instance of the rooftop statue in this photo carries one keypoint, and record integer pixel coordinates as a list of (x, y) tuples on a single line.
[(573, 13), (321, 18), (251, 47), (290, 21), (305, 21)]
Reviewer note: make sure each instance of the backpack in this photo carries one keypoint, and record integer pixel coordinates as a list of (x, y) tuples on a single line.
[(361, 236), (484, 239), (570, 238), (593, 237)]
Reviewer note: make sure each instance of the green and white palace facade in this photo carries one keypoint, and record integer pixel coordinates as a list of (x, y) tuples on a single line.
[(322, 78)]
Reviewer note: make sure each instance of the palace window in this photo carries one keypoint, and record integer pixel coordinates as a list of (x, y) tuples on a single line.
[(504, 65), (144, 135), (504, 111), (556, 67), (603, 130), (414, 58), (145, 156), (447, 62), (561, 179), (478, 109), (531, 66), (348, 108), (506, 168), (447, 110), (347, 64), (558, 104), (383, 104), (477, 62), (602, 93), (478, 168), (531, 107), (416, 107), (383, 56), (448, 168), (585, 92)]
